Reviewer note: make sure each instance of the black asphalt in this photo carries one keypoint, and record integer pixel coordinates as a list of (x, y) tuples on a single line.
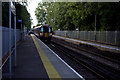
[(29, 64)]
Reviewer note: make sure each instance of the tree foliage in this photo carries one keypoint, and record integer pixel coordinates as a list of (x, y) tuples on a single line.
[(72, 15), (21, 13)]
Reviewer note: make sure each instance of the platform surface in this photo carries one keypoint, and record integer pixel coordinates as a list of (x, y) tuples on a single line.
[(37, 61), (60, 66), (29, 64)]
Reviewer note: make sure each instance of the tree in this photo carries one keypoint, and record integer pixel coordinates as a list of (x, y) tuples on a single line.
[(69, 16), (21, 13)]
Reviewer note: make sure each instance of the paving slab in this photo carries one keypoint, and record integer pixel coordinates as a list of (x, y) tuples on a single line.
[(29, 64)]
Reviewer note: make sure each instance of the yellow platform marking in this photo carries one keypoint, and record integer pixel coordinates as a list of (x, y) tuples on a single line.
[(51, 71)]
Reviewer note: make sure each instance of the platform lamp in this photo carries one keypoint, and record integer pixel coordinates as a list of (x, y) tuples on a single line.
[(13, 10)]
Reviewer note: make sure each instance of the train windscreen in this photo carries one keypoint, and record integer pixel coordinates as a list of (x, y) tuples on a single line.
[(41, 29), (50, 30), (46, 28)]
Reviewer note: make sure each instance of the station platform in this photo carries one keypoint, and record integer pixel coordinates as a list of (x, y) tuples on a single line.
[(98, 45), (35, 60)]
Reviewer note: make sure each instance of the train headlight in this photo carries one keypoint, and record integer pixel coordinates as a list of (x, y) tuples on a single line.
[(50, 34), (41, 34)]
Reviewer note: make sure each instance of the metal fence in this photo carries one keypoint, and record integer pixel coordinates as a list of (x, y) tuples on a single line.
[(109, 37), (0, 45), (5, 39)]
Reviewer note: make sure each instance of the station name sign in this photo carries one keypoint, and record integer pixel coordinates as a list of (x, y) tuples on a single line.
[(19, 20)]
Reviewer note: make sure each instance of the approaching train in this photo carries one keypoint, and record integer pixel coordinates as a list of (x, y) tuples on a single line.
[(44, 32)]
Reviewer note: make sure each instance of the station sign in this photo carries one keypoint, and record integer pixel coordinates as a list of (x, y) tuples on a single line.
[(19, 20)]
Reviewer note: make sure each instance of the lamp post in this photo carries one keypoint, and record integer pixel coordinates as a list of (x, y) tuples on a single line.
[(15, 31), (95, 27), (13, 10), (10, 66), (95, 22), (24, 31)]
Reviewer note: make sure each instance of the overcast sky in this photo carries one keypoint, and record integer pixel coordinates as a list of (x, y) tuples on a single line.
[(32, 5)]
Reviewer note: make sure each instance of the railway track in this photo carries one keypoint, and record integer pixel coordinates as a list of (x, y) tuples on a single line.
[(108, 58), (111, 56), (104, 54), (98, 70)]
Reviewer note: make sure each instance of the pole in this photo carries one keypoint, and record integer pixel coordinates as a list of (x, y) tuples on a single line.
[(95, 28), (24, 32), (95, 22), (10, 66), (15, 31), (0, 31), (21, 30)]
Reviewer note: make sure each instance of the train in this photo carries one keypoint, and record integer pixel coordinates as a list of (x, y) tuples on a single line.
[(44, 32)]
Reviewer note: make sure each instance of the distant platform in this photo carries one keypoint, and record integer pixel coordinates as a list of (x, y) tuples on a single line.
[(98, 45)]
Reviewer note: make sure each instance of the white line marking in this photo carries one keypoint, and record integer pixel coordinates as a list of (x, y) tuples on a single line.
[(7, 59), (4, 63), (64, 62)]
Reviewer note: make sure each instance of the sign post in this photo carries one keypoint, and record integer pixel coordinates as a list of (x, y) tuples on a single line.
[(13, 10), (21, 26), (24, 32), (15, 29), (10, 66)]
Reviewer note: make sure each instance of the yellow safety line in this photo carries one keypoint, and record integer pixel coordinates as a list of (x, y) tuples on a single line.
[(51, 71)]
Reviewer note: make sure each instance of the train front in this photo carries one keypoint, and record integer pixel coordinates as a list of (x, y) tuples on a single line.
[(46, 33)]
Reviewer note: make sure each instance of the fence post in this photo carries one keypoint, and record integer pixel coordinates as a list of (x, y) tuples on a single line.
[(79, 34), (115, 37), (84, 35), (106, 36), (0, 48), (94, 36), (88, 35)]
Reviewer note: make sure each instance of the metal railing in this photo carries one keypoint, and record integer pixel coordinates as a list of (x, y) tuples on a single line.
[(5, 39), (108, 37)]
